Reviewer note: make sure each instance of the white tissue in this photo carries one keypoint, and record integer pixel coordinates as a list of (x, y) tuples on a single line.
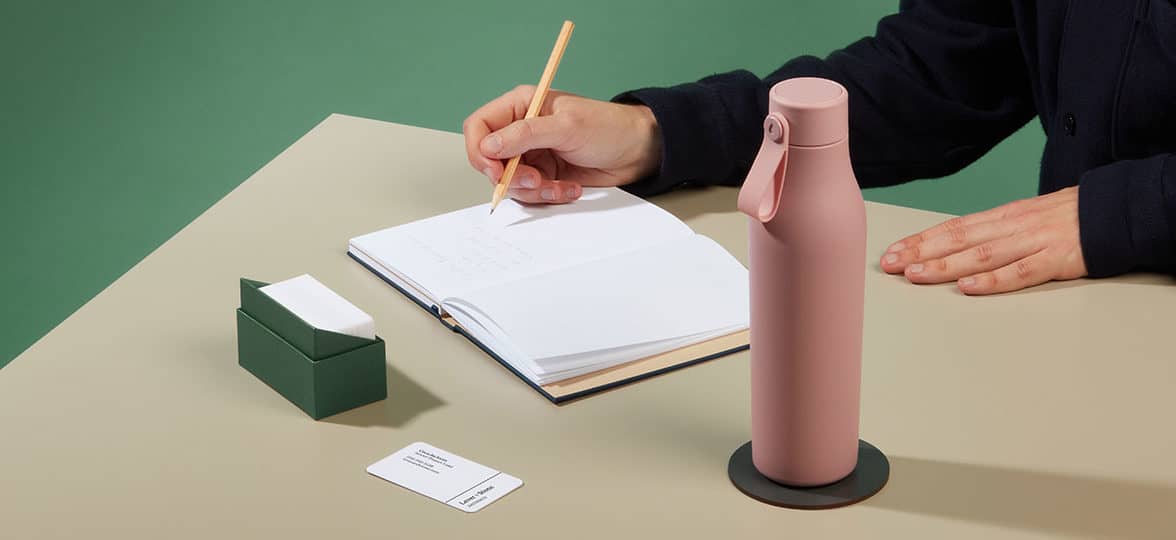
[(321, 307)]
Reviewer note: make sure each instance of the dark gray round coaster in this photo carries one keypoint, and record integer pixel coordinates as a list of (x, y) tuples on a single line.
[(871, 473)]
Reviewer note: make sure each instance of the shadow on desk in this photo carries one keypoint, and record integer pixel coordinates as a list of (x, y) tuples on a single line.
[(406, 401), (689, 203), (1022, 499)]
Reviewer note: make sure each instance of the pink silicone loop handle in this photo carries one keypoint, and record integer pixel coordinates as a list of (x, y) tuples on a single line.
[(760, 195)]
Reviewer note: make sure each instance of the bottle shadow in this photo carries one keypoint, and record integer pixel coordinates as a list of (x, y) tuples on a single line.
[(1023, 499)]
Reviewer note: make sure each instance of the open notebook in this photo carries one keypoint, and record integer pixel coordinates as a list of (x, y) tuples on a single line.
[(573, 298)]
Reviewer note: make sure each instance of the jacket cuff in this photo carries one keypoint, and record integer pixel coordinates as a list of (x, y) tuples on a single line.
[(691, 135), (1122, 217)]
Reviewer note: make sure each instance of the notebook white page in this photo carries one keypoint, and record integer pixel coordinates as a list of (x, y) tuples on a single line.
[(603, 313), (469, 249)]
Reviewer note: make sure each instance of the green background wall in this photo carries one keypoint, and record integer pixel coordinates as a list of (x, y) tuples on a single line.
[(123, 120)]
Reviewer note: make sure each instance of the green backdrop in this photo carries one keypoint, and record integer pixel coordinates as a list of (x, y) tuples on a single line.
[(124, 120)]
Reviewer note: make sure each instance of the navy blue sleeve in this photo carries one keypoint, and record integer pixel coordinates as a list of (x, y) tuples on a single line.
[(938, 85), (1127, 216)]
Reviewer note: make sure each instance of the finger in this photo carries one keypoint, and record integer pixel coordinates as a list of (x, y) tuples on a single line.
[(549, 192), (544, 160), (954, 239), (551, 167), (1013, 209), (526, 134), (1022, 273), (491, 168), (981, 258), (492, 116), (526, 177)]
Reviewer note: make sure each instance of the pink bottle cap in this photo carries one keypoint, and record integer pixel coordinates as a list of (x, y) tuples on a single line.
[(817, 110)]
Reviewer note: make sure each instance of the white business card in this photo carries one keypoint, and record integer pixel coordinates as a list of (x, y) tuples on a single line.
[(444, 477)]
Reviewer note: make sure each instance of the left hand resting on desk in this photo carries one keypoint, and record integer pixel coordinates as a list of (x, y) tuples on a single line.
[(1017, 245)]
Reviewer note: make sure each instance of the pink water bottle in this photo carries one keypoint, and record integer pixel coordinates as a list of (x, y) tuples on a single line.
[(808, 261)]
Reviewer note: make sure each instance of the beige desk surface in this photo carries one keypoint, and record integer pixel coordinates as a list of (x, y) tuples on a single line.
[(1047, 413)]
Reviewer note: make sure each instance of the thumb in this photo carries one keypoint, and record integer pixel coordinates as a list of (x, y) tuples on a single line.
[(525, 135)]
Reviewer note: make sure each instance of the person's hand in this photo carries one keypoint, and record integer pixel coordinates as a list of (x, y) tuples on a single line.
[(1018, 245), (574, 142)]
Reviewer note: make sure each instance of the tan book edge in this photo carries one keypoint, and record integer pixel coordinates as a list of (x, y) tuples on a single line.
[(647, 367), (608, 378)]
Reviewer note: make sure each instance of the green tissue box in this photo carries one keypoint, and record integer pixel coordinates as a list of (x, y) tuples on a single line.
[(320, 371)]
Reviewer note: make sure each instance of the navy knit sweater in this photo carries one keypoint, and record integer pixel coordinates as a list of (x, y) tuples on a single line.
[(943, 81)]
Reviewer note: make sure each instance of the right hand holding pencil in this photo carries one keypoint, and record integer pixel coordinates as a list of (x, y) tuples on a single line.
[(574, 142)]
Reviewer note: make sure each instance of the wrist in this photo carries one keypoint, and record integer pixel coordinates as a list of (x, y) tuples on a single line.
[(649, 142)]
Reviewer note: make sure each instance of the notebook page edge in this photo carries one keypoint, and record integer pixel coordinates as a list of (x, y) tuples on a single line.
[(407, 285), (470, 319), (696, 243)]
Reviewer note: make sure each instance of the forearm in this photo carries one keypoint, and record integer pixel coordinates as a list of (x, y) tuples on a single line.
[(924, 101)]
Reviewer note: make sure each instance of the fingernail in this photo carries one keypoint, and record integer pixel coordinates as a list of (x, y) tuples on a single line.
[(572, 192), (489, 173), (891, 258), (897, 246), (915, 268), (967, 282), (528, 181), (493, 144), (547, 194)]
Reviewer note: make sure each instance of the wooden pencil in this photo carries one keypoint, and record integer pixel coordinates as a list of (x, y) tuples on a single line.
[(561, 43)]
